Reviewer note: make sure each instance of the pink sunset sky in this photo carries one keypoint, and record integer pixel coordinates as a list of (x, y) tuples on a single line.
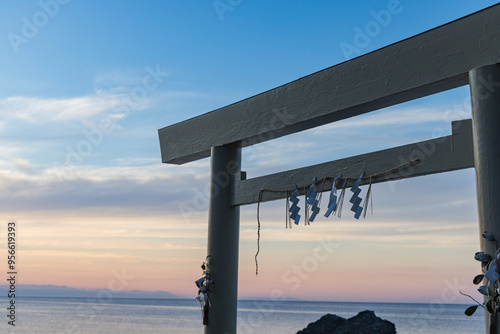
[(82, 98)]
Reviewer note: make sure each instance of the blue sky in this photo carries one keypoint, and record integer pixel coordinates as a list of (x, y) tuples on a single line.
[(117, 206)]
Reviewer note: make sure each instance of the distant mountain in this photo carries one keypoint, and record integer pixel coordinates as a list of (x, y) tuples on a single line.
[(281, 299), (28, 290)]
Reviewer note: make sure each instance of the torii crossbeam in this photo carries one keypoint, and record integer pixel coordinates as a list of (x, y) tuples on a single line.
[(465, 51)]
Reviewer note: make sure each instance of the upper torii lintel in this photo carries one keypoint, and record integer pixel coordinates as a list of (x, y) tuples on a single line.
[(428, 63)]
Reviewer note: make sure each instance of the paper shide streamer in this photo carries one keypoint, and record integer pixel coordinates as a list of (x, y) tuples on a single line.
[(332, 203), (313, 193), (312, 202), (294, 208), (355, 199)]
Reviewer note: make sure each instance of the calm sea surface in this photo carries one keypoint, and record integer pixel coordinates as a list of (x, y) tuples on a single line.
[(127, 316)]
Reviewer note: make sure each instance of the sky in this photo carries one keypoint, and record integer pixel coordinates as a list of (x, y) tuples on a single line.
[(85, 85)]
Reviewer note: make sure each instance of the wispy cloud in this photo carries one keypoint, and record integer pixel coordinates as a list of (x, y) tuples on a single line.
[(43, 110), (400, 116), (24, 183), (74, 254), (171, 246)]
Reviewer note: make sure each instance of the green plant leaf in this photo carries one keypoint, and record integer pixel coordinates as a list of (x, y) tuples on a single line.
[(483, 289), (489, 306), (203, 266), (488, 236), (470, 310), (478, 279), (482, 257)]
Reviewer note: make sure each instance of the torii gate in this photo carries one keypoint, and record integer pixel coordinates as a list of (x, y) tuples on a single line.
[(465, 51)]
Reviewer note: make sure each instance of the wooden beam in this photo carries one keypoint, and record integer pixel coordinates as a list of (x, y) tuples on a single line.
[(428, 63), (438, 155)]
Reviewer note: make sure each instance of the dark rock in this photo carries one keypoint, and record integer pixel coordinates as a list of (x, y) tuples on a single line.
[(365, 322), (324, 325)]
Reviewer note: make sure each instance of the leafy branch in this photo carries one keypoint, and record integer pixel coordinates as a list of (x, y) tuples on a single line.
[(490, 274)]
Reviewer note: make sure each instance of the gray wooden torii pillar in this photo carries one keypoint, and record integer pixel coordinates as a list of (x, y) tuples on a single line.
[(223, 239), (485, 96), (443, 58)]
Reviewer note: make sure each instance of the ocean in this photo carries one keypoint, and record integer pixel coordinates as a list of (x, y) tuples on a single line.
[(127, 316)]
